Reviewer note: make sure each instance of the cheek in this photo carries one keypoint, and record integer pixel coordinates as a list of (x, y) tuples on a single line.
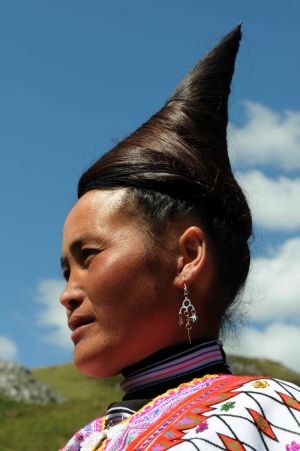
[(117, 283)]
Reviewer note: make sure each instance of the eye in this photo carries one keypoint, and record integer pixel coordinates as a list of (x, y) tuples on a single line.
[(87, 254), (66, 274)]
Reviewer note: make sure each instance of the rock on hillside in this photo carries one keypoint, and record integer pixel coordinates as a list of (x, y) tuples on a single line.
[(18, 384)]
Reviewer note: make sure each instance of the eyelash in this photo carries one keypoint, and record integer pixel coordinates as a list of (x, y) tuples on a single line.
[(66, 274), (86, 253)]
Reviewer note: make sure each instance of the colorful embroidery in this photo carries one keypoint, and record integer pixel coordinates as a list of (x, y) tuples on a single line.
[(262, 424), (92, 441), (227, 406), (290, 401), (195, 414), (231, 443), (202, 426), (159, 407), (250, 428), (293, 446), (75, 443), (260, 384)]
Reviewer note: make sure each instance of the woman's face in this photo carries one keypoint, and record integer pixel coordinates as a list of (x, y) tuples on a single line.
[(121, 304)]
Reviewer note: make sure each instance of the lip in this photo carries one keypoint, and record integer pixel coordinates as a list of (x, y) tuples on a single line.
[(77, 333), (80, 320), (78, 324)]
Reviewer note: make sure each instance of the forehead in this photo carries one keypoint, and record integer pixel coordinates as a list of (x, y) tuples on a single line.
[(93, 211)]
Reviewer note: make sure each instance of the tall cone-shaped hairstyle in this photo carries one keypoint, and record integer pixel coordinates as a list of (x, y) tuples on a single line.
[(177, 163)]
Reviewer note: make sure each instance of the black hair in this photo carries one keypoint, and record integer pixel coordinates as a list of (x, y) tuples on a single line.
[(177, 163)]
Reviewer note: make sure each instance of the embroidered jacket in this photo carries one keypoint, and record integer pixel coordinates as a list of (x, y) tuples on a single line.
[(216, 412)]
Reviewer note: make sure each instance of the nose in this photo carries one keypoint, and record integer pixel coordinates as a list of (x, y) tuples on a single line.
[(71, 297)]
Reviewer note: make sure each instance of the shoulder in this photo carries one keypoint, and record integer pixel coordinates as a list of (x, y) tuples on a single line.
[(95, 426), (244, 412)]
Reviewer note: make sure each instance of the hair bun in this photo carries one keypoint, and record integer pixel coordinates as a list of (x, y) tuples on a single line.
[(177, 163)]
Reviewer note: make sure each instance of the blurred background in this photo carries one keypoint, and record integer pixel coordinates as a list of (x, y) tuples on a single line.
[(76, 77)]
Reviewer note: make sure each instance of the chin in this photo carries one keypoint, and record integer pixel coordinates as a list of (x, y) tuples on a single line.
[(95, 366)]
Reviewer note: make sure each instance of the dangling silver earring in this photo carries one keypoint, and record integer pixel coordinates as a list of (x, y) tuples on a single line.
[(187, 312)]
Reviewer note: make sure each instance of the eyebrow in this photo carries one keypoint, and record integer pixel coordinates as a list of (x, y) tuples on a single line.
[(76, 245)]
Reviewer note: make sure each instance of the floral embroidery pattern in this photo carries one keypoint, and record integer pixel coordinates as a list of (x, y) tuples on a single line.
[(227, 406), (260, 384), (157, 408), (203, 426), (92, 441), (196, 421), (293, 446)]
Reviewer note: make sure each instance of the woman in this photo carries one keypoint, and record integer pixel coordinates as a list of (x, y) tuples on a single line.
[(155, 251)]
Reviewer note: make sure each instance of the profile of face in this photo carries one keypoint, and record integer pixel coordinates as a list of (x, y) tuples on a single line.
[(122, 300), (121, 304)]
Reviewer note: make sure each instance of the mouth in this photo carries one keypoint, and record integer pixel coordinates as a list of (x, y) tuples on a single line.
[(79, 325), (78, 321)]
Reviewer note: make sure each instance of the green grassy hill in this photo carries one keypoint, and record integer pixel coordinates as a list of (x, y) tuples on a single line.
[(47, 428)]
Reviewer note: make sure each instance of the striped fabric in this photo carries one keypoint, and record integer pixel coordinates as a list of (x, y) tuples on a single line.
[(120, 410), (195, 358), (115, 415)]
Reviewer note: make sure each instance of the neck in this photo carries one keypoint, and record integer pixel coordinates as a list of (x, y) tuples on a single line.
[(169, 367)]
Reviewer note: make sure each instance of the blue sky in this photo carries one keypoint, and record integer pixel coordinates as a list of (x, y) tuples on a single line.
[(75, 77)]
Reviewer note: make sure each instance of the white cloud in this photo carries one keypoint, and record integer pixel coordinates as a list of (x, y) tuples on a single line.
[(267, 138), (273, 286), (52, 314), (277, 341), (271, 139), (273, 202), (273, 289), (8, 349)]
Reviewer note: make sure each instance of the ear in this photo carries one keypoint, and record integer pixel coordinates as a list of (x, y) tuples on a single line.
[(192, 256)]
